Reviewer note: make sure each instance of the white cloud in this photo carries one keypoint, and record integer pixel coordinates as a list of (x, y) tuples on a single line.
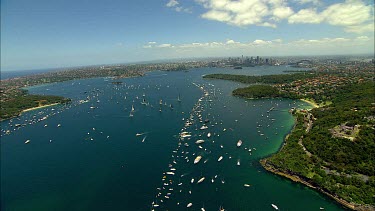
[(261, 42), (354, 15), (217, 16), (167, 45), (359, 29), (282, 12), (305, 16), (263, 47), (176, 6), (336, 45), (172, 3)]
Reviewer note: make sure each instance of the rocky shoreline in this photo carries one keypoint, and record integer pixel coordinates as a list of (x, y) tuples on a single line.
[(296, 178)]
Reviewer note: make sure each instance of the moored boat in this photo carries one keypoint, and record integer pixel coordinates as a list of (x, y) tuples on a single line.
[(197, 159), (239, 143)]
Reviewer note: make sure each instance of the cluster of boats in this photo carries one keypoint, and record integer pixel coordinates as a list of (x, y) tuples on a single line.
[(193, 136)]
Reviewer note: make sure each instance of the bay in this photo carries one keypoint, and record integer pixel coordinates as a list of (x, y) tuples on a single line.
[(88, 156)]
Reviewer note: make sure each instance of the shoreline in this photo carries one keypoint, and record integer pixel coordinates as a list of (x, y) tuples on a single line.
[(297, 179), (39, 107), (311, 102)]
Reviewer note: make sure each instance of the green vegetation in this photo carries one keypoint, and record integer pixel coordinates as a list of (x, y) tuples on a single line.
[(15, 106), (340, 166), (266, 79), (261, 91)]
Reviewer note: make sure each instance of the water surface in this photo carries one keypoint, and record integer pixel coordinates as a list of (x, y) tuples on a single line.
[(87, 156)]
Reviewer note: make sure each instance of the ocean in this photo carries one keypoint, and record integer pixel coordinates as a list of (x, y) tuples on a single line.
[(98, 154)]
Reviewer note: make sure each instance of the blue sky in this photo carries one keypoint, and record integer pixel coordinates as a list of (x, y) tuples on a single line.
[(63, 33)]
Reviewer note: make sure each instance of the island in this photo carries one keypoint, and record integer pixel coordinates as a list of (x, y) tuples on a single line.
[(332, 146)]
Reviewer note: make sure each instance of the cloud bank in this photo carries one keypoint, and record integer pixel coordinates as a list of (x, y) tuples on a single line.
[(354, 15)]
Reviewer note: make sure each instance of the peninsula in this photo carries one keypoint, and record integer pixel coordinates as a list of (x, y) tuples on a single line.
[(331, 147)]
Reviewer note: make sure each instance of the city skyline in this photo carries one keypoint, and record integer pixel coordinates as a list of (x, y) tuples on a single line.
[(45, 34)]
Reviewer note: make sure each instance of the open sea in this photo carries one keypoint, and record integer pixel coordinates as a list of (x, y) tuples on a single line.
[(111, 150)]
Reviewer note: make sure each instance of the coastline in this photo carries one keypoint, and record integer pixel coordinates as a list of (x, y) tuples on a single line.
[(39, 107), (311, 102), (297, 179)]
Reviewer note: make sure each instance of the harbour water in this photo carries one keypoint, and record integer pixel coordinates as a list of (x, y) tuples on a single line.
[(99, 154)]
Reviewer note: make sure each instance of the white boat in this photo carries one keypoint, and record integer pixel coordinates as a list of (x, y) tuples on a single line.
[(220, 158), (139, 134), (192, 180), (185, 135), (275, 207), (208, 135), (170, 173), (133, 108), (203, 127), (27, 141), (246, 185), (144, 138), (199, 141), (201, 180), (238, 162), (197, 159), (239, 143), (189, 205)]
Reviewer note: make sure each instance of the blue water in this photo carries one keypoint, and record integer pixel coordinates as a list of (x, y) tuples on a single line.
[(95, 161)]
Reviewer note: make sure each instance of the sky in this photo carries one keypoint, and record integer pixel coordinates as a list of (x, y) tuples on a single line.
[(41, 34)]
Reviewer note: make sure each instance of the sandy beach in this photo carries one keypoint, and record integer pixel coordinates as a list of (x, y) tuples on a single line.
[(311, 102), (39, 107)]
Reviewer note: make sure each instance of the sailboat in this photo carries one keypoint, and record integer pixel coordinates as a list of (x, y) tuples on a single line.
[(178, 98), (133, 108)]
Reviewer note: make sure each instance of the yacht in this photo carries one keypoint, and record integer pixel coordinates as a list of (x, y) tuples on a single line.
[(246, 185), (201, 180), (199, 141), (220, 158), (203, 127), (189, 205), (238, 162), (27, 141), (239, 143), (197, 159), (275, 207), (208, 135)]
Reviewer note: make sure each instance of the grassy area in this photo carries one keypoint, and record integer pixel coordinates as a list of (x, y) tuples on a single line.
[(15, 106)]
